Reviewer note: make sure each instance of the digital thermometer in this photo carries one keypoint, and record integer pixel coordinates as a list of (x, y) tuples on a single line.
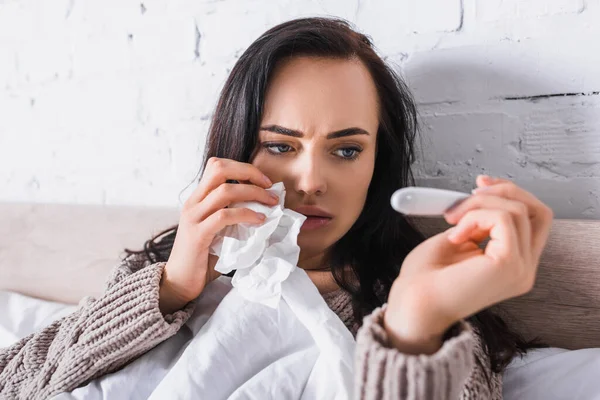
[(425, 201)]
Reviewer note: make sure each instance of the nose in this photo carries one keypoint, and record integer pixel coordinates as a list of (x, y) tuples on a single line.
[(310, 176)]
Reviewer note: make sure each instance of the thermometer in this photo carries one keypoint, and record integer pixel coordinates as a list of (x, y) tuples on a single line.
[(425, 201)]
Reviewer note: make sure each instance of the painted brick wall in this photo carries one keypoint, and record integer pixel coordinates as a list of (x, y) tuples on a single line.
[(109, 102)]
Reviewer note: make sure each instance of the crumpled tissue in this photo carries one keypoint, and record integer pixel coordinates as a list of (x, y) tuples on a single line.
[(263, 255), (236, 349)]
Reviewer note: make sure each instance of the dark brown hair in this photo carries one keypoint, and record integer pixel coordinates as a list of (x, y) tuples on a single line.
[(380, 239)]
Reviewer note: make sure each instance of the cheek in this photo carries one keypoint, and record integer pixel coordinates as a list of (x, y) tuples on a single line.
[(268, 166), (355, 187)]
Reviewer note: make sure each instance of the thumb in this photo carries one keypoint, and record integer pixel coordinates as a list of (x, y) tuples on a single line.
[(449, 252)]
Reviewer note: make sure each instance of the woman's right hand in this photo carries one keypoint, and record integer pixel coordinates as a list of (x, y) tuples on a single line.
[(190, 267)]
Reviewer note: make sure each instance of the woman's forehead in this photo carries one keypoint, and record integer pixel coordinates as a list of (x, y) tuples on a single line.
[(321, 94)]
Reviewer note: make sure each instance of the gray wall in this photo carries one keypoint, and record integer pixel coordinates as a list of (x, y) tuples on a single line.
[(109, 102)]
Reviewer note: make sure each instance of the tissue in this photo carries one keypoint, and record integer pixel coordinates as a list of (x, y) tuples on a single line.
[(262, 255)]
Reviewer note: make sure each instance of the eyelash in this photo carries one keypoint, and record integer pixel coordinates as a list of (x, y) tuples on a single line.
[(270, 146)]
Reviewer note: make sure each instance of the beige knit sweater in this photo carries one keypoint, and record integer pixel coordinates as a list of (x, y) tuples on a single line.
[(104, 334)]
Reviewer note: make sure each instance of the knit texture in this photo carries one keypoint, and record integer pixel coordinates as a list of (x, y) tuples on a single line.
[(105, 334), (382, 372)]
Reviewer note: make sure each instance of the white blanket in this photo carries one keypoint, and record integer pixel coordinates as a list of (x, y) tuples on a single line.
[(230, 349), (22, 315), (273, 356)]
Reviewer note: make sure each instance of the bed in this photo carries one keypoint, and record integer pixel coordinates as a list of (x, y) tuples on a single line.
[(51, 256)]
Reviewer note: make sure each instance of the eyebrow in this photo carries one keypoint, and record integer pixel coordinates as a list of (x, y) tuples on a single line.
[(333, 135)]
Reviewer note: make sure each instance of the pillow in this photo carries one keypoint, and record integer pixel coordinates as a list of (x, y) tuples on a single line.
[(553, 373), (23, 315)]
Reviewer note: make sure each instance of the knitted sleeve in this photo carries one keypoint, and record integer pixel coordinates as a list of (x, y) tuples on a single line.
[(382, 372), (101, 336)]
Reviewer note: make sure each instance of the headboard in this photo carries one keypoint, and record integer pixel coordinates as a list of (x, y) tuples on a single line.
[(65, 252), (564, 306)]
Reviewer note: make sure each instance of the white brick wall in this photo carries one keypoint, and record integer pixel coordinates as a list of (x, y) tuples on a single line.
[(109, 102)]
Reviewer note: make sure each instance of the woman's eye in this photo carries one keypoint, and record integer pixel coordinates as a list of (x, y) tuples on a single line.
[(348, 153), (277, 148)]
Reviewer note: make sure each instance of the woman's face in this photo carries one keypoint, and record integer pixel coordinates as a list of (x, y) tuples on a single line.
[(318, 136)]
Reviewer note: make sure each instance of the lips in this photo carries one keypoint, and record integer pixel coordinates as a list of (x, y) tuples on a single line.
[(314, 223), (315, 217)]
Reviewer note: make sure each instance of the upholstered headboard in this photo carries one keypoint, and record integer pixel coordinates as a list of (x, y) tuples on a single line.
[(65, 252), (564, 306)]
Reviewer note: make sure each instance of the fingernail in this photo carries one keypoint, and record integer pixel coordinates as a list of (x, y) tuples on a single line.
[(274, 196), (267, 181), (452, 233), (480, 190), (262, 216), (488, 179)]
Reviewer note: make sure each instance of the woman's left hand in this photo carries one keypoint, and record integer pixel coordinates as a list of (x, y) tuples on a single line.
[(448, 277)]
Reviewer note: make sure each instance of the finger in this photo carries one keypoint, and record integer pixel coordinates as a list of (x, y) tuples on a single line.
[(461, 251), (229, 216), (486, 180), (486, 200), (511, 191), (495, 267), (500, 227), (468, 246), (446, 251), (476, 236), (227, 194), (219, 170), (540, 214), (518, 211)]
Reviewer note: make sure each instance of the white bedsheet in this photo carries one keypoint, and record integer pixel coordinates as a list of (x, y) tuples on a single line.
[(22, 315), (265, 362), (554, 374), (229, 349)]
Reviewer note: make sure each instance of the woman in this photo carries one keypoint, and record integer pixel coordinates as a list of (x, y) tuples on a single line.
[(311, 104)]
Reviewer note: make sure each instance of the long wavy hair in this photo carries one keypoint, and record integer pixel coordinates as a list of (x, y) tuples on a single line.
[(376, 245)]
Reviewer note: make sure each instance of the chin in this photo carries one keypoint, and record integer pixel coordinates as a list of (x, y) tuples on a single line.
[(310, 245), (313, 244)]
